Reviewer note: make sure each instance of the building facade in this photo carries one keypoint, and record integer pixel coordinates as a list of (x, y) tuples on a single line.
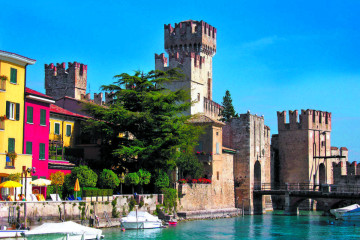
[(13, 78)]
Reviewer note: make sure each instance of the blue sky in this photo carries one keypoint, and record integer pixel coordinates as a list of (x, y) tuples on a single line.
[(271, 55)]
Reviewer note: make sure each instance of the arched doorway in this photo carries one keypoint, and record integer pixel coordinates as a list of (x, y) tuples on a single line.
[(322, 174), (257, 175)]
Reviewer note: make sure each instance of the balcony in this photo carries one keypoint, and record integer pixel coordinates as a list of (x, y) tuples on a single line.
[(2, 84)]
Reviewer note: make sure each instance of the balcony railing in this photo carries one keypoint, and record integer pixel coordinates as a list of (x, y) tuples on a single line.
[(2, 85)]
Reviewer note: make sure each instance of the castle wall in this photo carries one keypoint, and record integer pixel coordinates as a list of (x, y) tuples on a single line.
[(217, 195), (303, 145), (251, 139), (60, 82)]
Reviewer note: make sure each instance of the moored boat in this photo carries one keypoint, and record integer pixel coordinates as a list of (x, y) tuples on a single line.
[(11, 233), (65, 230), (351, 213), (140, 220)]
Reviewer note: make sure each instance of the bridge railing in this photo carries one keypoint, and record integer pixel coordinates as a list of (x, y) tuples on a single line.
[(287, 187), (326, 188)]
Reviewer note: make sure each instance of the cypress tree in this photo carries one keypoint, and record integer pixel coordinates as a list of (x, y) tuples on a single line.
[(228, 111)]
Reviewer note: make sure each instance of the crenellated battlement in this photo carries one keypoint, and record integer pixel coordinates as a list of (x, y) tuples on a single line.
[(308, 119), (61, 81), (211, 108), (190, 36)]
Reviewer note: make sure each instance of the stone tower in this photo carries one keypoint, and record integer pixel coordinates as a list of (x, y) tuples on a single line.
[(71, 82), (191, 46), (302, 148)]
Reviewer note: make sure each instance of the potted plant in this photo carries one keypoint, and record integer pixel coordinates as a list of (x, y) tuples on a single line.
[(3, 77), (11, 155)]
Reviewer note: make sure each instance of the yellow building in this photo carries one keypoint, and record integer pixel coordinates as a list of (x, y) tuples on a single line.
[(64, 131), (12, 89)]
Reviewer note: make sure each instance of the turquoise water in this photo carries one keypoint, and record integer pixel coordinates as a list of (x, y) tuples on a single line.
[(267, 226)]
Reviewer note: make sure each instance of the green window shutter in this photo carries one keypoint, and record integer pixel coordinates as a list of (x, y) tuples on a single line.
[(29, 117), (43, 117), (28, 148), (57, 128), (11, 145), (42, 151), (68, 130), (7, 109), (34, 178), (17, 111), (13, 75)]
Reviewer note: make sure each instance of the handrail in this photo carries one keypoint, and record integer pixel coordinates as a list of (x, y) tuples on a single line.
[(309, 187)]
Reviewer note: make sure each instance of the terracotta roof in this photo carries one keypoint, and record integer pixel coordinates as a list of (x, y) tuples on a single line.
[(59, 110), (204, 119), (344, 148), (225, 149), (334, 148), (33, 92)]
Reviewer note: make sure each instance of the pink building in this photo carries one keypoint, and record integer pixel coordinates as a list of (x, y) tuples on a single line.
[(36, 132)]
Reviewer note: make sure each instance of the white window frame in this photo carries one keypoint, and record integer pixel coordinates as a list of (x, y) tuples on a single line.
[(12, 111)]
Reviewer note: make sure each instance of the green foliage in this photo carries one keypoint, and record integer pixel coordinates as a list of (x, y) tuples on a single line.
[(51, 189), (108, 179), (170, 199), (15, 177), (189, 165), (115, 213), (132, 204), (93, 192), (141, 203), (162, 180), (122, 178), (86, 176), (144, 177), (132, 179), (151, 118), (228, 111)]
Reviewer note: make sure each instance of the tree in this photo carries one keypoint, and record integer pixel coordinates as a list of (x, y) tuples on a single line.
[(228, 111), (122, 181), (144, 178), (162, 180), (132, 179), (86, 176), (189, 165), (15, 177), (150, 118), (108, 179), (57, 179)]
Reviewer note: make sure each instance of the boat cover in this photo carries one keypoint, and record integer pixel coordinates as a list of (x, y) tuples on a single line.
[(353, 207), (65, 228)]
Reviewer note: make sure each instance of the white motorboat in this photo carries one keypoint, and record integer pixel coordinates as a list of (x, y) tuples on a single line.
[(140, 220), (11, 233), (65, 231), (351, 213)]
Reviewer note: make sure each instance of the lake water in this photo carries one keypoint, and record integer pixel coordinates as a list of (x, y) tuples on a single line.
[(268, 226)]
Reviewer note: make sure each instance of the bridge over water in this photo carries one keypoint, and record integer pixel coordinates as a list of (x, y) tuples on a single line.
[(295, 193)]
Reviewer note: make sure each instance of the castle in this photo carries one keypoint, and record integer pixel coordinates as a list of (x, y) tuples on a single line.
[(242, 155)]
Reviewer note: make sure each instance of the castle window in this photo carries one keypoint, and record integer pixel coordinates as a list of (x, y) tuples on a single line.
[(13, 75), (217, 175), (198, 97), (217, 148)]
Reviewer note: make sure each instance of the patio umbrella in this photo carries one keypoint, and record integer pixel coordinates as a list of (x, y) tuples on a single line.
[(10, 184), (40, 182), (77, 187)]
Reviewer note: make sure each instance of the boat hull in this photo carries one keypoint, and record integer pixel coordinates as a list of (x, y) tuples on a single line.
[(11, 233), (141, 225)]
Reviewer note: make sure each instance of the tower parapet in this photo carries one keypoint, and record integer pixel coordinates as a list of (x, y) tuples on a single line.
[(190, 36), (308, 119), (60, 82)]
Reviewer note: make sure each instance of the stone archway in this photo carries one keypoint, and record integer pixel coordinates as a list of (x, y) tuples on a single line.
[(257, 175), (322, 174)]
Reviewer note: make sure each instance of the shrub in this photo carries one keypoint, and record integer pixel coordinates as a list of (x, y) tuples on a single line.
[(162, 180), (132, 179), (132, 204), (108, 179), (182, 181), (170, 199)]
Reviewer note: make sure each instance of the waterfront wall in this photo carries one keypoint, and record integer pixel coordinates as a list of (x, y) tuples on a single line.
[(38, 212)]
